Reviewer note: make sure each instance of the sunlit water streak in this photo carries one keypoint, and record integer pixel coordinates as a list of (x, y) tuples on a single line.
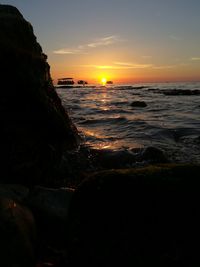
[(106, 118)]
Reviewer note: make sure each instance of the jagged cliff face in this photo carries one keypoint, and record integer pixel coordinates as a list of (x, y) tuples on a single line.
[(35, 127)]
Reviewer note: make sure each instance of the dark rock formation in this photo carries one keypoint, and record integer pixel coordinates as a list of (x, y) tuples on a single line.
[(124, 158), (140, 104), (175, 92), (15, 192), (153, 155), (137, 217), (33, 225), (50, 209), (111, 159), (18, 235), (35, 128)]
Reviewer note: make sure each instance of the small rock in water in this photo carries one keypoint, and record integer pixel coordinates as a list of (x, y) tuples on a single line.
[(140, 104), (175, 92)]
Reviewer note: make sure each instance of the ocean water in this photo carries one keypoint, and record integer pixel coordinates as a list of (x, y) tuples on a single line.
[(106, 118)]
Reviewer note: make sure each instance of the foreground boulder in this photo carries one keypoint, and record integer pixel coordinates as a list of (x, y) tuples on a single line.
[(50, 209), (35, 128), (18, 235), (137, 217), (33, 225)]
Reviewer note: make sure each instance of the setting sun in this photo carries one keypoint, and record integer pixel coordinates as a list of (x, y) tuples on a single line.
[(103, 80)]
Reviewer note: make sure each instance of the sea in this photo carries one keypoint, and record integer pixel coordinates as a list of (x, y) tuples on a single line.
[(136, 116)]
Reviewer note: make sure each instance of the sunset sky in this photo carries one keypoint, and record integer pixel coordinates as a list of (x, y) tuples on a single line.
[(123, 40)]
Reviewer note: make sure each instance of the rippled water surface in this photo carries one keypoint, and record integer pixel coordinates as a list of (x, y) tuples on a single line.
[(106, 117)]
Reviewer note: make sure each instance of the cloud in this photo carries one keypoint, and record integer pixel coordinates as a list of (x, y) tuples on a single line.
[(105, 67), (82, 48), (66, 51), (105, 41), (128, 65), (120, 66), (164, 67), (124, 63), (195, 58), (98, 66)]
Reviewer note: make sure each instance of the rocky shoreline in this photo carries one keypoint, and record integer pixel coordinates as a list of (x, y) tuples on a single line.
[(62, 204), (132, 216)]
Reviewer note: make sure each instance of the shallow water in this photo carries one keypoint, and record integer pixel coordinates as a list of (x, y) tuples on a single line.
[(106, 119)]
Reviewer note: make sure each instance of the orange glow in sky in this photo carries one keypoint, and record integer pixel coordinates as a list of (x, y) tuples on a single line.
[(128, 41), (122, 41), (124, 72)]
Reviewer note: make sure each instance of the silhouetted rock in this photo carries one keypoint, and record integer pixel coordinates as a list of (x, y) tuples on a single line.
[(50, 209), (35, 128), (136, 217), (153, 155), (15, 192), (175, 92), (113, 159), (140, 104), (18, 235)]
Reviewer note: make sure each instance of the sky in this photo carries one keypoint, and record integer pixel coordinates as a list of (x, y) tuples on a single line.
[(122, 40)]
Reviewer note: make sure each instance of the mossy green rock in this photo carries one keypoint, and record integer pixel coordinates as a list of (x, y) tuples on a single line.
[(137, 217), (35, 128)]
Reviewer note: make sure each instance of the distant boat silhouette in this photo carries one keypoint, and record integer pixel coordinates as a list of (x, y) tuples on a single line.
[(82, 82), (65, 81)]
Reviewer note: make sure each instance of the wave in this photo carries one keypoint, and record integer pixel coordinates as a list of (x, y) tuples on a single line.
[(169, 121), (103, 121)]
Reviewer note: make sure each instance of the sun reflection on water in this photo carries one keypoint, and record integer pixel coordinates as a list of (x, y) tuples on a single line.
[(105, 142)]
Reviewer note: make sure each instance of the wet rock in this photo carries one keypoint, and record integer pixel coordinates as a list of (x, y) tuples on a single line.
[(153, 155), (75, 165), (18, 237), (139, 104), (50, 209), (35, 128), (16, 192), (175, 92), (136, 217), (109, 159)]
